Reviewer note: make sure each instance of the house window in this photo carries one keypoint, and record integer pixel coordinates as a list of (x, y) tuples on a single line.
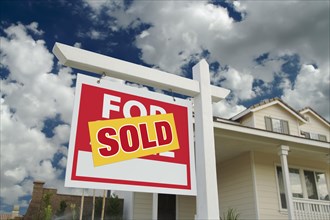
[(314, 136), (277, 125), (304, 184)]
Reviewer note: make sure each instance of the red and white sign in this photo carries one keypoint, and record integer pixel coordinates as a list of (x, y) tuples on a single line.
[(131, 139)]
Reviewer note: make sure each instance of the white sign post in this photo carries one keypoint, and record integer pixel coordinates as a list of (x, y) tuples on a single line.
[(207, 188), (199, 88)]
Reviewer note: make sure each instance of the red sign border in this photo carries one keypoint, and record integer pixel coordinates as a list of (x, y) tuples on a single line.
[(73, 180)]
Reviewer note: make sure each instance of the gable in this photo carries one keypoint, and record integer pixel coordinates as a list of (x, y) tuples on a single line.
[(316, 119), (286, 109), (265, 105), (315, 126), (276, 112)]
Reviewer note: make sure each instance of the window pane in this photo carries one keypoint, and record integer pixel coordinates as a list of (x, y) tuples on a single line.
[(285, 127), (296, 187), (277, 125), (310, 184), (268, 123), (322, 137), (307, 135), (281, 187), (314, 136), (322, 186)]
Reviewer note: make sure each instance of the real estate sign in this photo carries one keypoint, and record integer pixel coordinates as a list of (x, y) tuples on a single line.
[(128, 138)]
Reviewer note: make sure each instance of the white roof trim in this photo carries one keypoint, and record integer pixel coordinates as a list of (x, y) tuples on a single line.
[(239, 115)]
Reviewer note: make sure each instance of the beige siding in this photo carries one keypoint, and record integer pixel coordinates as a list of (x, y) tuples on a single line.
[(247, 120), (186, 207), (268, 195), (276, 111), (236, 186), (315, 126), (142, 208)]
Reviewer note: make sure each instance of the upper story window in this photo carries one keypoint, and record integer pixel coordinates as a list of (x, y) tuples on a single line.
[(277, 125), (314, 136), (306, 184)]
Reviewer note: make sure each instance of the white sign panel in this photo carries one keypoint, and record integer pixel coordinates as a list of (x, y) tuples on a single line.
[(127, 138)]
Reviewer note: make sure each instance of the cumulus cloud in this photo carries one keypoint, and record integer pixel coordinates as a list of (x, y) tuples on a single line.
[(181, 31), (239, 83), (175, 37), (30, 94), (311, 88), (227, 109)]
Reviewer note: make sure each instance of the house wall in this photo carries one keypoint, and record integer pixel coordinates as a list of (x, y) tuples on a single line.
[(235, 186), (268, 197), (142, 208), (186, 207), (266, 182), (315, 126), (276, 111), (247, 120)]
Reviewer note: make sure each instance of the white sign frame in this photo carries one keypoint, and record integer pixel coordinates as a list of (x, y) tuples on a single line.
[(140, 170)]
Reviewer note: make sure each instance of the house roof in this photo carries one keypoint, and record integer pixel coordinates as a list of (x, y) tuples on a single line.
[(266, 103), (319, 117)]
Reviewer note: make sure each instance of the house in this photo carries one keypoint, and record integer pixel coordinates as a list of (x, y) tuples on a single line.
[(273, 162), (14, 215), (65, 206), (72, 203)]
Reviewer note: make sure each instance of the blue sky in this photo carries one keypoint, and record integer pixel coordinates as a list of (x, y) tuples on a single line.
[(257, 49)]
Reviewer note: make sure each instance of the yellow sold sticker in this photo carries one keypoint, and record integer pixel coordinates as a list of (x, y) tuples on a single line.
[(122, 139)]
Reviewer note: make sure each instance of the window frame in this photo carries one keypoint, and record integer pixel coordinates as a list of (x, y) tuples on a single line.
[(270, 126), (303, 184), (308, 135)]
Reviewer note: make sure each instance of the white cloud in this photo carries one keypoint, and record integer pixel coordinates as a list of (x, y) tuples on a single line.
[(225, 109), (92, 34), (239, 83), (311, 88), (61, 134), (180, 31), (77, 44), (29, 95), (175, 37)]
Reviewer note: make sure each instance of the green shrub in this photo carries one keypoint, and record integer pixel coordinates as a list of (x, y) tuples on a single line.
[(231, 214)]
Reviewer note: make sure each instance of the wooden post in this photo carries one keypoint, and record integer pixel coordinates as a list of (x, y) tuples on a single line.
[(103, 204), (93, 210), (207, 203), (82, 205)]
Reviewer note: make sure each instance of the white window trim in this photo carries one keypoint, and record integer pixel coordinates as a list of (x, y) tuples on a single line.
[(302, 179)]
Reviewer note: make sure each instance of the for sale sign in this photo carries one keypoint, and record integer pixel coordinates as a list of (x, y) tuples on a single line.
[(128, 138)]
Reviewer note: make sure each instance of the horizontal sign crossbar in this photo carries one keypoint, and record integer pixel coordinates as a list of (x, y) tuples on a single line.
[(98, 63)]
